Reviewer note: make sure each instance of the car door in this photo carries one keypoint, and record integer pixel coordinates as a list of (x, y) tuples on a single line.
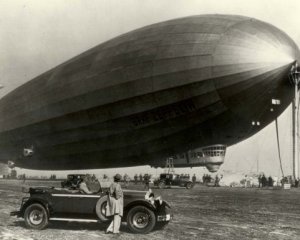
[(74, 203), (176, 180)]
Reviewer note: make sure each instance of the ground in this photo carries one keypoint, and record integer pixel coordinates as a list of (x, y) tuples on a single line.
[(199, 213)]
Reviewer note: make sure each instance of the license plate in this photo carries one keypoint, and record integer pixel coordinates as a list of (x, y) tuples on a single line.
[(168, 217)]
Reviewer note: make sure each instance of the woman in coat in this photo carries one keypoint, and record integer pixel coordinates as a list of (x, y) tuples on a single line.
[(115, 205)]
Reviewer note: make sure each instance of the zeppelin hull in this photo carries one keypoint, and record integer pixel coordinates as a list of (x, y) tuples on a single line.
[(154, 92)]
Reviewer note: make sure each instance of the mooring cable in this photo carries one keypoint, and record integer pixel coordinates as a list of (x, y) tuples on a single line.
[(278, 146)]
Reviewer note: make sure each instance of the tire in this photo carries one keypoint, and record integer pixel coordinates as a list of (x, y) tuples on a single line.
[(101, 209), (161, 185), (189, 185), (36, 216), (141, 219)]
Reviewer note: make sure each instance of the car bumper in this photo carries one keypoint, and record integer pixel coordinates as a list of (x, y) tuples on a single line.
[(15, 213), (165, 218)]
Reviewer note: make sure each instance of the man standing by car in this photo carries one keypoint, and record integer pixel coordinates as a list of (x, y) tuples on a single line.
[(115, 205)]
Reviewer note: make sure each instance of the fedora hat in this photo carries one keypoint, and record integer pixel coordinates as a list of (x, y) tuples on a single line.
[(117, 177)]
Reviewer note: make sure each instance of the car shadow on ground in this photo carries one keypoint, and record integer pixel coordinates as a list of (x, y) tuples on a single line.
[(77, 226), (74, 226), (170, 188), (17, 224)]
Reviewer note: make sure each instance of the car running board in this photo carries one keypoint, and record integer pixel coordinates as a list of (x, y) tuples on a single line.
[(74, 220)]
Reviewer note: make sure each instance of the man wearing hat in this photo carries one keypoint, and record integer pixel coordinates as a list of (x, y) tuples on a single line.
[(115, 205)]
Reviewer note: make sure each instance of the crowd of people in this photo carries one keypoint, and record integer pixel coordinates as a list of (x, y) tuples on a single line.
[(263, 181), (290, 180), (208, 179), (146, 179)]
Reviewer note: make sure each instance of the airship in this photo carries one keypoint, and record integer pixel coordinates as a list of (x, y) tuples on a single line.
[(190, 86)]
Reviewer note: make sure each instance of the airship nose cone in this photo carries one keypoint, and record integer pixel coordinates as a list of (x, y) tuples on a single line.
[(252, 44), (252, 62)]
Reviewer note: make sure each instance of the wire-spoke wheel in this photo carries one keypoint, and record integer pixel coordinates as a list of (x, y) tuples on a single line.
[(141, 219), (36, 216)]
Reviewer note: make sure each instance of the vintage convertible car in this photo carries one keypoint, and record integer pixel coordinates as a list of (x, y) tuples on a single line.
[(52, 204)]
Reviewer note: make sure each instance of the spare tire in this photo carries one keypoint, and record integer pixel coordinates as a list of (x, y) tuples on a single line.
[(101, 209)]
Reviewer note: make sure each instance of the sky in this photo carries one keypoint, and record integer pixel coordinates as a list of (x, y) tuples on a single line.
[(37, 35)]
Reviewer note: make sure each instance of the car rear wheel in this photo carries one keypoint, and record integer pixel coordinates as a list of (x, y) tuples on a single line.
[(36, 216), (141, 219), (161, 185)]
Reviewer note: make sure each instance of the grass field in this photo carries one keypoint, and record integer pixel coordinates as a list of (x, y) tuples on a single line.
[(199, 213)]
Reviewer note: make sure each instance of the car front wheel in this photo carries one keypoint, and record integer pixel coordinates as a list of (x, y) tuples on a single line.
[(189, 185), (141, 219), (36, 216)]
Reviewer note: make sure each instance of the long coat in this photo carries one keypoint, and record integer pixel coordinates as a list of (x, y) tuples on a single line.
[(115, 200)]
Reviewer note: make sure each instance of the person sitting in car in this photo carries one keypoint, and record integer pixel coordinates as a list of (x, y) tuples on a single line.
[(83, 188)]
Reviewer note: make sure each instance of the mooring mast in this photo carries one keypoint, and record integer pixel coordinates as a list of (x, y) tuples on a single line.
[(295, 77)]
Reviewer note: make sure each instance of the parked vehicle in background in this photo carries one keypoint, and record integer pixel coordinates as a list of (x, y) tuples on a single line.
[(172, 179)]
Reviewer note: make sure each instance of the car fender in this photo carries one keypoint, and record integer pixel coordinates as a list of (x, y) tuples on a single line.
[(36, 200), (144, 203), (167, 204)]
